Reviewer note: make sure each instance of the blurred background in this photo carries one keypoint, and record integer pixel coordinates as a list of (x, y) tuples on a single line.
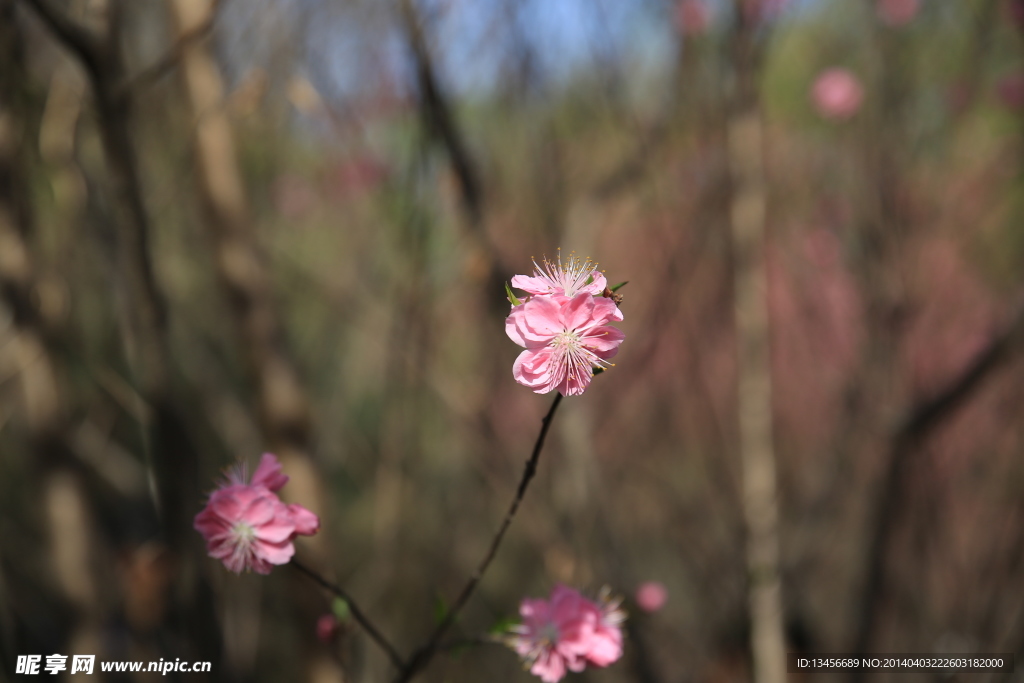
[(283, 225)]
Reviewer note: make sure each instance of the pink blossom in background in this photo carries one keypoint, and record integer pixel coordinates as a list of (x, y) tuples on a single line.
[(692, 17), (651, 596), (355, 177), (565, 339), (555, 278), (292, 195), (1010, 91), (897, 13), (326, 628), (245, 524), (566, 633), (1015, 8), (756, 10), (837, 94)]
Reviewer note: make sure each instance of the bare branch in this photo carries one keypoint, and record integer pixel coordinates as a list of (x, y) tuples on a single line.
[(170, 59), (80, 40), (422, 657), (919, 423)]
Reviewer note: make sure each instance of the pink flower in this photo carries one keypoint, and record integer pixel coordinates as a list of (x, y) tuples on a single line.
[(897, 13), (756, 10), (246, 526), (567, 632), (565, 339), (651, 596), (327, 628), (1016, 11), (1010, 90), (692, 17), (837, 94), (554, 278)]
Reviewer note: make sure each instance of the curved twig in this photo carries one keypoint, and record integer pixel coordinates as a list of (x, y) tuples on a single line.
[(423, 656), (357, 613)]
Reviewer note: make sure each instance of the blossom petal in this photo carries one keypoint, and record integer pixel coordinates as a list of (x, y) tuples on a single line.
[(531, 285), (579, 312), (542, 316), (604, 339), (512, 323), (274, 553), (269, 473), (306, 523), (533, 368)]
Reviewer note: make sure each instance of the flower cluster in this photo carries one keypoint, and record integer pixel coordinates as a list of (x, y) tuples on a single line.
[(564, 326), (245, 524), (566, 633)]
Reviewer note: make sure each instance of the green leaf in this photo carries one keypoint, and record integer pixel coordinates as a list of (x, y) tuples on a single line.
[(512, 297), (502, 626), (440, 608), (340, 609), (590, 279), (598, 371), (619, 286)]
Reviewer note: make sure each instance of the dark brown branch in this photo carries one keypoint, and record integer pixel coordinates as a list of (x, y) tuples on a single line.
[(358, 614), (919, 423), (81, 41), (425, 654), (437, 115)]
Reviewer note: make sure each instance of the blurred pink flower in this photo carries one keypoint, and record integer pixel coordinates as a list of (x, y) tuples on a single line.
[(567, 632), (246, 526), (554, 278), (326, 628), (897, 12), (1010, 90), (292, 195), (1016, 11), (651, 596), (763, 9), (565, 339), (692, 17), (837, 94)]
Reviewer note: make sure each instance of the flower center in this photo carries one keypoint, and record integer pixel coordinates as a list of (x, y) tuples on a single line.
[(243, 533), (548, 634), (570, 275), (567, 341)]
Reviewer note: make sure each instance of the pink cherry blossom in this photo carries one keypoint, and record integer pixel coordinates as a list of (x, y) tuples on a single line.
[(651, 596), (247, 526), (897, 13), (327, 627), (759, 10), (837, 94), (555, 278), (566, 633), (1010, 91), (1016, 12), (565, 339), (692, 17)]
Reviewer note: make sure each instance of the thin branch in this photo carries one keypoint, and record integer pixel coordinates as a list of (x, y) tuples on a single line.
[(79, 39), (357, 613), (165, 64), (920, 421), (437, 114), (423, 656)]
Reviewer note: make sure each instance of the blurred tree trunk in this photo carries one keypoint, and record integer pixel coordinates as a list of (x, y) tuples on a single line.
[(241, 267), (144, 321), (754, 390), (65, 499)]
